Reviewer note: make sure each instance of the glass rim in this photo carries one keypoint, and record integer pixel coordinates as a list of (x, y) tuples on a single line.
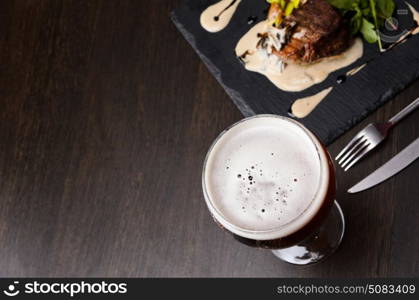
[(237, 229)]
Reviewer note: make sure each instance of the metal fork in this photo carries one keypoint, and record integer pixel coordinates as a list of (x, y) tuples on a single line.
[(369, 137)]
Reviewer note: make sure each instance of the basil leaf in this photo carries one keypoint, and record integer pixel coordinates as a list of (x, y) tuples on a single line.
[(368, 31), (366, 12), (356, 21), (364, 4), (385, 8), (355, 25), (342, 4)]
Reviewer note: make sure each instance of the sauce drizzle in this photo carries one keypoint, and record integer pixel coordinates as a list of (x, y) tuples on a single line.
[(217, 16), (294, 77), (303, 107)]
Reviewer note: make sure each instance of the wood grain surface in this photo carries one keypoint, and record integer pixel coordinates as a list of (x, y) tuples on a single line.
[(106, 116)]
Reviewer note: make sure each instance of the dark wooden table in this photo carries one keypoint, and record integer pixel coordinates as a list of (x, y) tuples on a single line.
[(106, 116)]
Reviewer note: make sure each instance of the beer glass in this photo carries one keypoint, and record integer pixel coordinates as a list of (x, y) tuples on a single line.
[(269, 182)]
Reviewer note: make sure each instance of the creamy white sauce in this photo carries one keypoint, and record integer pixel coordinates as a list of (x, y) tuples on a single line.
[(301, 108), (355, 70), (294, 77), (216, 17), (304, 106), (415, 14)]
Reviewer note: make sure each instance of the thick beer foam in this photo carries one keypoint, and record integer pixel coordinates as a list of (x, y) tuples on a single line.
[(265, 177)]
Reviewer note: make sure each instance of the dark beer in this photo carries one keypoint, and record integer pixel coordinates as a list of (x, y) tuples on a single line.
[(268, 181)]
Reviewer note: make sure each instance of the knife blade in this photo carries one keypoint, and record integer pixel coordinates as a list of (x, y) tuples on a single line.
[(390, 168)]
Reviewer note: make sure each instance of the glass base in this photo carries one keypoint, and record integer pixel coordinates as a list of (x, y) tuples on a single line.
[(320, 244)]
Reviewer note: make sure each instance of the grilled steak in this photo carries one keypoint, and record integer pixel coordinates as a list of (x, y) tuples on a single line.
[(317, 30)]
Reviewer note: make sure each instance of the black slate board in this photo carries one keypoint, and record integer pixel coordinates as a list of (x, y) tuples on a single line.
[(348, 103)]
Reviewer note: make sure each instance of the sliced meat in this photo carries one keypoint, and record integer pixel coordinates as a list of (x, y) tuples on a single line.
[(318, 31)]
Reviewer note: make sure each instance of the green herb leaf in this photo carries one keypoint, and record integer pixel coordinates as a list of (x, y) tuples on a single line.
[(385, 8), (366, 12), (342, 4), (375, 18), (368, 31), (366, 16), (363, 4), (355, 24)]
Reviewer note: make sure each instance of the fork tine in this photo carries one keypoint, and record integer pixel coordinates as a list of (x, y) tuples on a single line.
[(354, 152), (349, 145), (354, 156), (361, 155), (353, 149)]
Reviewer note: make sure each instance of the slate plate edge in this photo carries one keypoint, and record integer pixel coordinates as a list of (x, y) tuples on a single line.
[(233, 94)]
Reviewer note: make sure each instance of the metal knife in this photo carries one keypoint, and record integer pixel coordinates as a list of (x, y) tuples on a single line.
[(390, 168)]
